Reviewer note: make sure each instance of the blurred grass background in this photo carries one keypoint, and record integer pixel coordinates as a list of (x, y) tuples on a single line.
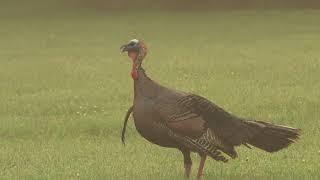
[(64, 87), (39, 6)]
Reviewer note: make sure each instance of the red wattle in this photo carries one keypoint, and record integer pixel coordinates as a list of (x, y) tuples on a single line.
[(134, 72)]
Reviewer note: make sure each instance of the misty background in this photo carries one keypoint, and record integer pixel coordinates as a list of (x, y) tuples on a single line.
[(15, 7)]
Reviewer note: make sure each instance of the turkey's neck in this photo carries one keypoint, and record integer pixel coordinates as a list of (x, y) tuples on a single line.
[(144, 86)]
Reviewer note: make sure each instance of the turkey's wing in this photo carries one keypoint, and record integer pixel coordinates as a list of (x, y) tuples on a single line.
[(191, 114)]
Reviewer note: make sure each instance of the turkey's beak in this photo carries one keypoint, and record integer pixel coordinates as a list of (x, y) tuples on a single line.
[(123, 48)]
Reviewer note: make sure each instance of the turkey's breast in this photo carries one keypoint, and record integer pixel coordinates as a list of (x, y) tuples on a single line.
[(149, 124)]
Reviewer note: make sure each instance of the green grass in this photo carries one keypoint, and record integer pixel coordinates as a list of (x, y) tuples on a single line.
[(64, 90)]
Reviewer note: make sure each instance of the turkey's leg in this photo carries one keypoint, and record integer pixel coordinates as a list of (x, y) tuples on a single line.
[(187, 162), (201, 165)]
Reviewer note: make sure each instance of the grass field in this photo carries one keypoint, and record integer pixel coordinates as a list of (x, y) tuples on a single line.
[(64, 89)]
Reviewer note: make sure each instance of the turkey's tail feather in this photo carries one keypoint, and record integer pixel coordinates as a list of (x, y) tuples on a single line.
[(270, 137)]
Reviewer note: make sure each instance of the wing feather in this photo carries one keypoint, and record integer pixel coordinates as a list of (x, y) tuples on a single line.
[(191, 115)]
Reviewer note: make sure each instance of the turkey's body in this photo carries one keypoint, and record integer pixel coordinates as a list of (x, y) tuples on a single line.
[(147, 121), (189, 122), (160, 121), (171, 118)]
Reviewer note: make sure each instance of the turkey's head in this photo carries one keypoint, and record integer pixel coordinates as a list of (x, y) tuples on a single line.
[(137, 51)]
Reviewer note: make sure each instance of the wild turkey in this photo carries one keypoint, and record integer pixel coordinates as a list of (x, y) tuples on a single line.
[(191, 123)]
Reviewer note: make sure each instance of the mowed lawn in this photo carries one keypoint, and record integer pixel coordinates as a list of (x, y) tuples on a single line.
[(65, 88)]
